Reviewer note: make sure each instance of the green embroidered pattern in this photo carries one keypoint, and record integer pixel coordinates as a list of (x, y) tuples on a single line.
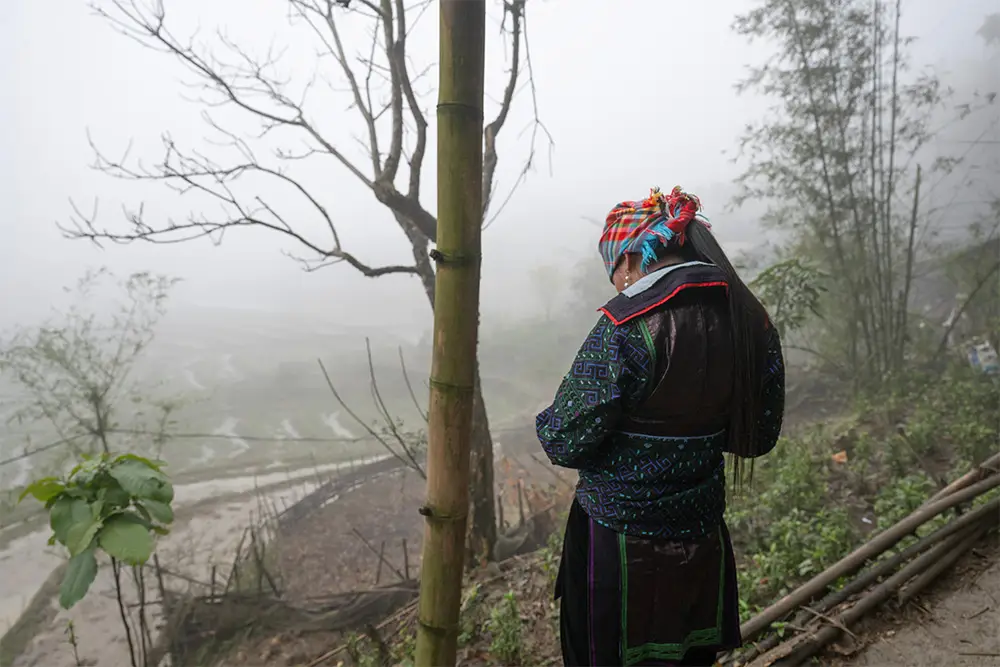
[(695, 638)]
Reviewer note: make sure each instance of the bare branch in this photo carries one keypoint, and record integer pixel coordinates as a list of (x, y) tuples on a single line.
[(187, 173), (519, 33), (406, 458), (391, 425), (409, 387)]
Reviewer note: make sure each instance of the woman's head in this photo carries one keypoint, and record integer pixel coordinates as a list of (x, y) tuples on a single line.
[(645, 228), (638, 235)]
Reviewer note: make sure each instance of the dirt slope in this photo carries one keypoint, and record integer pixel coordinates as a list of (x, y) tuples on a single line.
[(956, 623)]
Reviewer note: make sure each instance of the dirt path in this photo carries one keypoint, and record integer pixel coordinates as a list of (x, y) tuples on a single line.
[(956, 623)]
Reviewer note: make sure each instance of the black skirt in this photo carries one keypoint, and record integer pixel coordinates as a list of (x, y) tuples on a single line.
[(632, 601)]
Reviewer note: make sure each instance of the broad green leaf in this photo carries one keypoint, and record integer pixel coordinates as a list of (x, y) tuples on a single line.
[(165, 494), (160, 512), (79, 576), (141, 481), (43, 489), (115, 497), (155, 464), (66, 513), (125, 538), (80, 535), (86, 471)]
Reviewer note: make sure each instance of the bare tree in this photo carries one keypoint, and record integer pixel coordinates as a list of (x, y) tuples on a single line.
[(381, 86)]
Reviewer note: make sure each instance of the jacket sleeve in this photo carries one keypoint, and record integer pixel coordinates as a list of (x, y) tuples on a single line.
[(772, 397), (610, 374)]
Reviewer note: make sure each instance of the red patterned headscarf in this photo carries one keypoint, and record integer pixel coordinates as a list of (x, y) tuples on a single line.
[(641, 227)]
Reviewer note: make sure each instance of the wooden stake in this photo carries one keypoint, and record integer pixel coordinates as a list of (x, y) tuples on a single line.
[(381, 559), (500, 520), (520, 504), (381, 556)]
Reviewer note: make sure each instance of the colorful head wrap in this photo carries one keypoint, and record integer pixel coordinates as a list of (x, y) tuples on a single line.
[(634, 227)]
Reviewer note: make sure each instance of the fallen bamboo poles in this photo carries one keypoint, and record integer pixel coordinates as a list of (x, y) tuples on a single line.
[(871, 576), (945, 545), (852, 562), (935, 560)]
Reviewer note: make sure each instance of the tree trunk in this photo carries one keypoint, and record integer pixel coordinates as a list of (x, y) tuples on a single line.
[(456, 324)]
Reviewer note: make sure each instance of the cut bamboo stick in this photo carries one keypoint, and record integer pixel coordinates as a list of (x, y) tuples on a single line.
[(982, 471)]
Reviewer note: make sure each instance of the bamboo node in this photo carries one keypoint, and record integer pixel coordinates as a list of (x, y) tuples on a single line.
[(435, 630), (432, 515), (461, 106), (455, 258), (449, 386)]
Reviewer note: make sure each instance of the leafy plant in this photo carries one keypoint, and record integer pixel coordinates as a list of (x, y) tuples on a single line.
[(468, 626), (551, 555), (504, 625), (115, 504), (792, 291)]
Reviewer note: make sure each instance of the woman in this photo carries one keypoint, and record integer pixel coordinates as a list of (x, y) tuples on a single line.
[(682, 367)]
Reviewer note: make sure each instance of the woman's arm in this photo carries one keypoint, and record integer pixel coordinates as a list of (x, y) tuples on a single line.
[(609, 374), (772, 397)]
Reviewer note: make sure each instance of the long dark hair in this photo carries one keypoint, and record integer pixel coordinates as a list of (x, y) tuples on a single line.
[(749, 323)]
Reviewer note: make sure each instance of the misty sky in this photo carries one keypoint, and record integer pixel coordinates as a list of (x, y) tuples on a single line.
[(635, 93)]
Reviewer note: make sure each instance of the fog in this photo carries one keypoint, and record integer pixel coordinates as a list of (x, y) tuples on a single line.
[(633, 95)]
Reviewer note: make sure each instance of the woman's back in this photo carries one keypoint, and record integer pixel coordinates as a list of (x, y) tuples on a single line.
[(662, 356)]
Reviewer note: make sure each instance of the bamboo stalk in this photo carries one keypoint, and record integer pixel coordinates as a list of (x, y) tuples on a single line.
[(856, 559), (456, 324), (980, 472), (378, 567), (869, 577), (877, 596), (971, 538)]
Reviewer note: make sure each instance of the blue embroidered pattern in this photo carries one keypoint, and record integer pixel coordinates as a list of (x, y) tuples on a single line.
[(641, 485)]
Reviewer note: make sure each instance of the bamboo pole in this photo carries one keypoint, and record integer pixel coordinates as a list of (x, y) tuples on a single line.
[(856, 559), (945, 561), (980, 472), (456, 324)]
